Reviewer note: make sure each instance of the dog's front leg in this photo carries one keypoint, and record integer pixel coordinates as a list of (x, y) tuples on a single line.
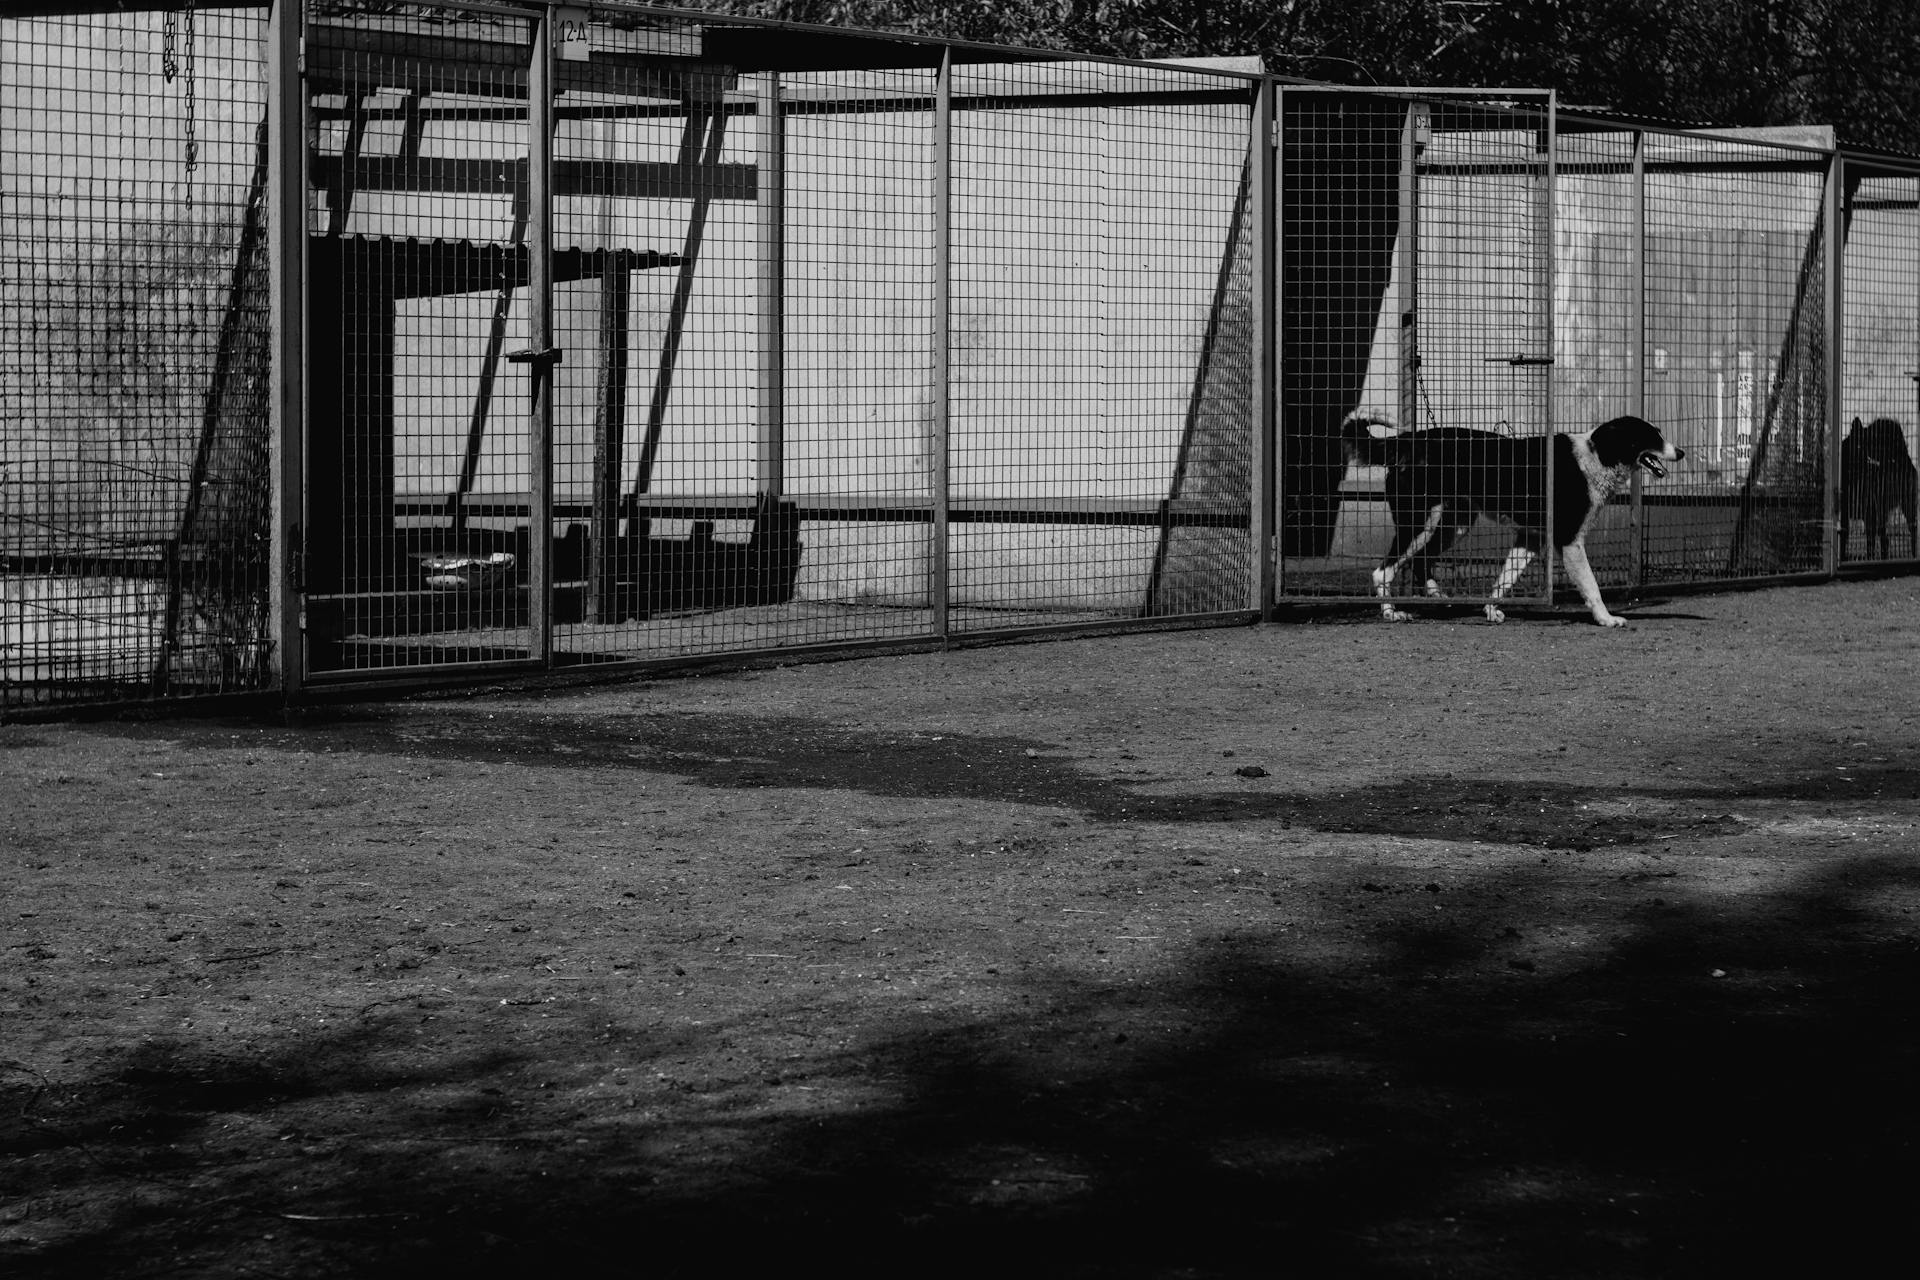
[(1518, 558), (1574, 556)]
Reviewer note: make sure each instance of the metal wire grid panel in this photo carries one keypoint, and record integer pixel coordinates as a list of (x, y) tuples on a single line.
[(420, 466), (134, 485), (862, 393), (845, 355), (1416, 297), (775, 356), (1736, 354), (1880, 367), (782, 478), (1682, 278), (1102, 388), (1598, 339)]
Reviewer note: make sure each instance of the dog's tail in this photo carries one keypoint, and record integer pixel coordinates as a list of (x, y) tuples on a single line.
[(1370, 441)]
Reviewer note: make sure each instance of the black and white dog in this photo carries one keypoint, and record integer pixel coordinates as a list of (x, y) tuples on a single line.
[(1439, 480)]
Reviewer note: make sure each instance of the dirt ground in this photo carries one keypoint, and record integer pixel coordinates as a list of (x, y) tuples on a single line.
[(1326, 949)]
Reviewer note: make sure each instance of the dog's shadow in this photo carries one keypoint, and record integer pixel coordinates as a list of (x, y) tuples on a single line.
[(1640, 615), (1656, 609), (1570, 613)]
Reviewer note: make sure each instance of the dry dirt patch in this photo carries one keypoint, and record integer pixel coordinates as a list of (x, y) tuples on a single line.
[(1510, 951)]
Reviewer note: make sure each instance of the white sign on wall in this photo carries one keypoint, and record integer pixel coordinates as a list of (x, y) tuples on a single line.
[(570, 30)]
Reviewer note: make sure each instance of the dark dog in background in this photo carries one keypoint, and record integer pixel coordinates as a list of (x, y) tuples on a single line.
[(1439, 481), (1877, 477)]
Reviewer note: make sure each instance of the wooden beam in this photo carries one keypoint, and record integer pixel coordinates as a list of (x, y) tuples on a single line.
[(865, 508), (633, 180), (344, 58)]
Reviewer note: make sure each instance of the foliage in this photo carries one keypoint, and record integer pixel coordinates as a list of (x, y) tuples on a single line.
[(1848, 63)]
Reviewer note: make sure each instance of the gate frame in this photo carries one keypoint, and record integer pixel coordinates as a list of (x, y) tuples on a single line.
[(287, 227)]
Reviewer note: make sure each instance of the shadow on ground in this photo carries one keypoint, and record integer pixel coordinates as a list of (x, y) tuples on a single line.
[(732, 751), (1426, 1110)]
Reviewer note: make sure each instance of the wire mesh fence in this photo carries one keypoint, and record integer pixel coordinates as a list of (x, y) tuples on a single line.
[(655, 336), (419, 460), (1736, 329), (1599, 277), (845, 355), (133, 356), (1101, 383), (1880, 387), (1533, 275), (1417, 339)]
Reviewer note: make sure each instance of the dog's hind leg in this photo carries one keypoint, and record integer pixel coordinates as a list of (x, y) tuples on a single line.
[(1410, 548), (1420, 568), (1383, 584)]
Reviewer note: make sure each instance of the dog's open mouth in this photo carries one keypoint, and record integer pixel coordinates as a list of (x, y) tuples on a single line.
[(1651, 461)]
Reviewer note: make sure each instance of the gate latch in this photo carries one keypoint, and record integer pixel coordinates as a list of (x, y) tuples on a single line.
[(1518, 361), (527, 355)]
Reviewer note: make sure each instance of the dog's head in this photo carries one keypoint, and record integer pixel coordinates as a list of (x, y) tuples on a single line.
[(1634, 442)]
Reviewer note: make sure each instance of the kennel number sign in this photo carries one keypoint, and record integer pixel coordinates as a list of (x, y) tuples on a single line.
[(571, 26)]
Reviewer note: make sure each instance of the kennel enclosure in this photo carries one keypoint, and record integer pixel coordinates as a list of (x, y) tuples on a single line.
[(348, 345)]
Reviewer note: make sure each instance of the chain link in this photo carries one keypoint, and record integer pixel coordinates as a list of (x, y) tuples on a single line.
[(193, 140), (168, 67), (176, 59)]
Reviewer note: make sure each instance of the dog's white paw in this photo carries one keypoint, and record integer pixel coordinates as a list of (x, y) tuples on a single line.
[(1390, 614), (1609, 619), (1494, 614)]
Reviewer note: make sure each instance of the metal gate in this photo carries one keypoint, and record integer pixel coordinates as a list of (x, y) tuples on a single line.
[(430, 388), (1416, 293)]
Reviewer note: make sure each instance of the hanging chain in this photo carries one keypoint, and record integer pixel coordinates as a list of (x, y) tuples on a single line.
[(169, 66), (193, 141), (176, 58)]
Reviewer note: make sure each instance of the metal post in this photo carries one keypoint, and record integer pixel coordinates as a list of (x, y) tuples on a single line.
[(287, 250), (1261, 155), (610, 437), (1637, 348), (1413, 136), (1834, 325), (610, 427), (939, 424), (1543, 254), (770, 444), (540, 338)]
